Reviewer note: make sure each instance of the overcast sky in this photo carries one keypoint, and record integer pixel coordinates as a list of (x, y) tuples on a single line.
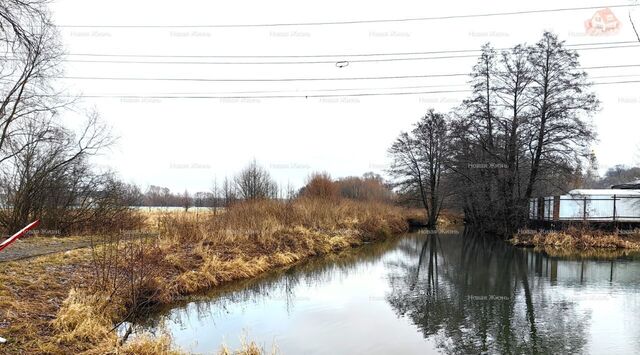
[(185, 143)]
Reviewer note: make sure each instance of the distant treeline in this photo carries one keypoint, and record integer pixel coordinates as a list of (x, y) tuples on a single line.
[(619, 174), (255, 182)]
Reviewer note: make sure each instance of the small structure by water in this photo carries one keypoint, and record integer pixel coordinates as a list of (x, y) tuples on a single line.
[(620, 203)]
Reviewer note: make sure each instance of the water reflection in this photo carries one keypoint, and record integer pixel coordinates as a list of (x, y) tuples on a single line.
[(464, 294), (475, 295)]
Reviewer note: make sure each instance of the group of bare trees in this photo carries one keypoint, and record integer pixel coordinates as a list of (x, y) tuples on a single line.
[(370, 188), (253, 182), (524, 129), (45, 169)]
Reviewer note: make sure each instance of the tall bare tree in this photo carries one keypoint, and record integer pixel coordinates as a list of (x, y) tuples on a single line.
[(513, 82), (419, 160), (560, 135)]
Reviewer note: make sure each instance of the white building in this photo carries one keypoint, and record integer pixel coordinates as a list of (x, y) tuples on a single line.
[(594, 205)]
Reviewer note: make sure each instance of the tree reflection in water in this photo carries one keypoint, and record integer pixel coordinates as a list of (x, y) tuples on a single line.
[(475, 295)]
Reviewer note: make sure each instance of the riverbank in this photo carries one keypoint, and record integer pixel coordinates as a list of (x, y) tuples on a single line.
[(70, 302), (578, 239)]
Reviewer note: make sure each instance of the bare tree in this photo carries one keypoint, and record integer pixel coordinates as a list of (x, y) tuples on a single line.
[(559, 133), (215, 196), (290, 191), (187, 201), (254, 182), (513, 82), (419, 160), (229, 193), (31, 54)]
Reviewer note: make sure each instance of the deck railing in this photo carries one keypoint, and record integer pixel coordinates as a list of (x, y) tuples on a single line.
[(613, 208)]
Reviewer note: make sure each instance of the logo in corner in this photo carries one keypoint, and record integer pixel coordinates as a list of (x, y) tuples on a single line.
[(603, 22)]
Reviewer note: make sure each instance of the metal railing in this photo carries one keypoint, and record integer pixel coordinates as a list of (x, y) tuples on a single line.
[(613, 208)]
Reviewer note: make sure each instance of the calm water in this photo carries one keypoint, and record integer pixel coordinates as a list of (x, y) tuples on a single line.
[(424, 294)]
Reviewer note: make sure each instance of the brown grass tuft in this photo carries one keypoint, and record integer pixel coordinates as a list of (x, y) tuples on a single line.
[(85, 318), (149, 345)]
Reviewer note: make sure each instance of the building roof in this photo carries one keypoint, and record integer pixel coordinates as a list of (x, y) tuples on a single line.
[(607, 192), (633, 185), (606, 14)]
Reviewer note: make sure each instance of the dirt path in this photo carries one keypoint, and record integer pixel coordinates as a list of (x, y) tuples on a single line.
[(34, 246)]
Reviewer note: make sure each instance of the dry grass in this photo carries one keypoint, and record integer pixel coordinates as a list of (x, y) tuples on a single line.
[(247, 348), (254, 237), (191, 254), (579, 239), (149, 345), (31, 293), (85, 318), (590, 254)]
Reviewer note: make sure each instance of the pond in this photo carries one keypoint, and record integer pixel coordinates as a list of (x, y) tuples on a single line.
[(420, 294)]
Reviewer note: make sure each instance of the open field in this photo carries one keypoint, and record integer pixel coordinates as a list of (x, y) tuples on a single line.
[(70, 302)]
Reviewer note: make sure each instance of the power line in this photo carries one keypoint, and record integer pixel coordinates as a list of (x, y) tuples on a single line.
[(619, 82), (288, 91), (301, 79), (353, 22), (298, 62), (262, 79), (343, 55), (272, 62), (325, 90), (302, 95), (614, 76), (270, 96), (612, 66)]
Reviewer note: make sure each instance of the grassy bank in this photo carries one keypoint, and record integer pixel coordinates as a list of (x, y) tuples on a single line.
[(69, 302), (578, 239)]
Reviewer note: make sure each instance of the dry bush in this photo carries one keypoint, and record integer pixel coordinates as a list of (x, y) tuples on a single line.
[(320, 185)]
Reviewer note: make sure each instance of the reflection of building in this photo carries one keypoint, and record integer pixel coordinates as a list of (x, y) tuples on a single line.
[(620, 203), (603, 21)]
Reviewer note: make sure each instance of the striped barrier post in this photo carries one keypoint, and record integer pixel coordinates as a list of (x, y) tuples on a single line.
[(21, 233)]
